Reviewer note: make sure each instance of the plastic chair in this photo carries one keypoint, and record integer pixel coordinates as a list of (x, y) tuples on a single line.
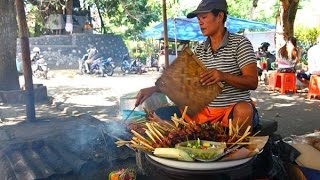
[(286, 82), (314, 86), (272, 80)]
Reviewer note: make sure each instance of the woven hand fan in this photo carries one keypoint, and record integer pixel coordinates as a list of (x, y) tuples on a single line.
[(181, 83)]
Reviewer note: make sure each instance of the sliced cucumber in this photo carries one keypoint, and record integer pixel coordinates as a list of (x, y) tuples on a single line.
[(173, 153)]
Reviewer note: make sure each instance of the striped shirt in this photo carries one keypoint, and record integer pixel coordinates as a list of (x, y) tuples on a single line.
[(234, 53)]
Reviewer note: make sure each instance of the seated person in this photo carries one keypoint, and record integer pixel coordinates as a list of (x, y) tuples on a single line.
[(92, 54), (313, 64), (288, 56), (263, 52), (237, 73), (149, 60)]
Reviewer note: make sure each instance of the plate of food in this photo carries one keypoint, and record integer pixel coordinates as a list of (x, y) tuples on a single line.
[(203, 155), (195, 146), (202, 150), (197, 165)]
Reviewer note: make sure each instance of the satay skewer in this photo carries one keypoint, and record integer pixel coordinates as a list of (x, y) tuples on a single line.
[(156, 130), (140, 137), (150, 136)]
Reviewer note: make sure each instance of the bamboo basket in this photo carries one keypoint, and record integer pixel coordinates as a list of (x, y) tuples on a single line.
[(181, 83)]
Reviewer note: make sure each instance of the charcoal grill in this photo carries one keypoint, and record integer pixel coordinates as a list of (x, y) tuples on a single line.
[(243, 171)]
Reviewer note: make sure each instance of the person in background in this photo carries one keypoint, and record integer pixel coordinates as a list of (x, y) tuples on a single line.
[(288, 56), (161, 49), (229, 59), (92, 53), (149, 60), (313, 64), (263, 52)]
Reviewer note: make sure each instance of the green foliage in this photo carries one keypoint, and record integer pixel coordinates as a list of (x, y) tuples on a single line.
[(142, 48), (35, 22), (242, 9), (307, 37), (239, 8), (127, 17)]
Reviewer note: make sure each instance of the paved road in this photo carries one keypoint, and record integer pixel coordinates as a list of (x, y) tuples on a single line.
[(100, 96)]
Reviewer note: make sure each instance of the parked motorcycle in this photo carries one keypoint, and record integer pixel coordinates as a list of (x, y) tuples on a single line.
[(39, 65), (107, 66), (99, 66), (131, 66)]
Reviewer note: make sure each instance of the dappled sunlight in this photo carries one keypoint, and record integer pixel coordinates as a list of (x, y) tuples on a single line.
[(294, 113), (103, 113), (313, 101), (90, 100), (3, 107), (285, 97), (285, 104), (13, 121)]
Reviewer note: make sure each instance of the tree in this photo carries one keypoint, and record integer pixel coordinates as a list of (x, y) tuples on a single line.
[(125, 16), (285, 20), (133, 16), (9, 79)]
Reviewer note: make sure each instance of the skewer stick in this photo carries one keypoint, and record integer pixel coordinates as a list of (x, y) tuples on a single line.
[(150, 136), (152, 132), (134, 141), (142, 148), (256, 133), (241, 143), (141, 119), (121, 142), (175, 115), (140, 137), (244, 122), (246, 133), (184, 113), (169, 124), (159, 127), (140, 142), (156, 130), (175, 121), (237, 126), (180, 121), (230, 127)]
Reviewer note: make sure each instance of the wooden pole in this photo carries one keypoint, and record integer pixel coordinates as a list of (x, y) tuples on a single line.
[(175, 36), (26, 62), (165, 33)]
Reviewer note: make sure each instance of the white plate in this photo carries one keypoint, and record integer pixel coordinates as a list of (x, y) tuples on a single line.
[(199, 165)]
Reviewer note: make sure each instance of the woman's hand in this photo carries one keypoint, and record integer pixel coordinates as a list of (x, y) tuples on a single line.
[(144, 94), (211, 76)]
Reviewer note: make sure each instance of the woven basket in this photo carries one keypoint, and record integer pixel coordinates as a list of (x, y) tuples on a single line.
[(181, 83)]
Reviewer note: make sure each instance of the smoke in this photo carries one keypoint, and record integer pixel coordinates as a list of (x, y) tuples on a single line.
[(116, 129)]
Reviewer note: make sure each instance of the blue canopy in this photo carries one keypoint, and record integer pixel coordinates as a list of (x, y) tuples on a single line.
[(188, 29)]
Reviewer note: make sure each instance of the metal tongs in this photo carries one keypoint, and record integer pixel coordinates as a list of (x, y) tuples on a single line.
[(218, 157), (130, 113)]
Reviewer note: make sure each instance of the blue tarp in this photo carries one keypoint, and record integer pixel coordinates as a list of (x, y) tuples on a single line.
[(188, 29)]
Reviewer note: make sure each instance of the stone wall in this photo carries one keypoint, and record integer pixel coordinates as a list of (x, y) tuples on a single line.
[(64, 51), (19, 96)]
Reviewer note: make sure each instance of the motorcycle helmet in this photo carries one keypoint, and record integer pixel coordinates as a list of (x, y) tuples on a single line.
[(36, 50), (264, 46)]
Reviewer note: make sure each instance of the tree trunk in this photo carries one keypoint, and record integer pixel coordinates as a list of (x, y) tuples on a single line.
[(25, 49), (9, 79), (253, 8), (69, 20), (103, 28), (285, 21)]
